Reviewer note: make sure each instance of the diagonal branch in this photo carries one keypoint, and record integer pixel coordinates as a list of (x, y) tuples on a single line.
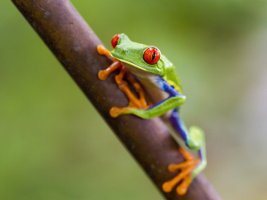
[(74, 44)]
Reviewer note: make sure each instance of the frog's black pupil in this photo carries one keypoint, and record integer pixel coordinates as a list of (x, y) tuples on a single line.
[(153, 55)]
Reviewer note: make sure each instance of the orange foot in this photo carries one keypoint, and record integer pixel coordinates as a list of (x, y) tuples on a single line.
[(184, 178)]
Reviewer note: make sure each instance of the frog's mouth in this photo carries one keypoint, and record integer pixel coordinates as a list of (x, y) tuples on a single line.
[(138, 69)]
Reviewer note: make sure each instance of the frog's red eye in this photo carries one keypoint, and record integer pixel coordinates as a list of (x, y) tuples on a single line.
[(151, 55), (114, 40)]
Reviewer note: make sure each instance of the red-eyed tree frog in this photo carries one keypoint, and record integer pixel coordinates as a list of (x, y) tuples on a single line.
[(159, 80)]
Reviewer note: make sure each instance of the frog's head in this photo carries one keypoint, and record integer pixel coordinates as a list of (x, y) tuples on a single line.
[(144, 57)]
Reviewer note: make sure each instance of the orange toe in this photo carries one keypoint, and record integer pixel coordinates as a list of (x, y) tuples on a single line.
[(115, 111), (183, 187), (183, 179)]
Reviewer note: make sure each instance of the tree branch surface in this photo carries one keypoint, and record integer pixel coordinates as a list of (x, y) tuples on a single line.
[(74, 44)]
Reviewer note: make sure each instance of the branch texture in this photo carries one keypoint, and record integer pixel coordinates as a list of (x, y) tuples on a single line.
[(74, 44)]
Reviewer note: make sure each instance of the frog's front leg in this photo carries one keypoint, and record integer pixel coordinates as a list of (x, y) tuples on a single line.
[(104, 74)]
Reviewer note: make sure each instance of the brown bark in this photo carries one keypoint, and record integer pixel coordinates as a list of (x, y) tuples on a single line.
[(74, 44)]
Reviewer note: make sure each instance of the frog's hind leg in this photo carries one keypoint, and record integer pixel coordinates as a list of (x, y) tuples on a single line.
[(139, 90), (138, 101), (183, 179), (191, 167)]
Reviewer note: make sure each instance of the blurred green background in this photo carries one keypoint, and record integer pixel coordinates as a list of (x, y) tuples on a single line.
[(54, 145)]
